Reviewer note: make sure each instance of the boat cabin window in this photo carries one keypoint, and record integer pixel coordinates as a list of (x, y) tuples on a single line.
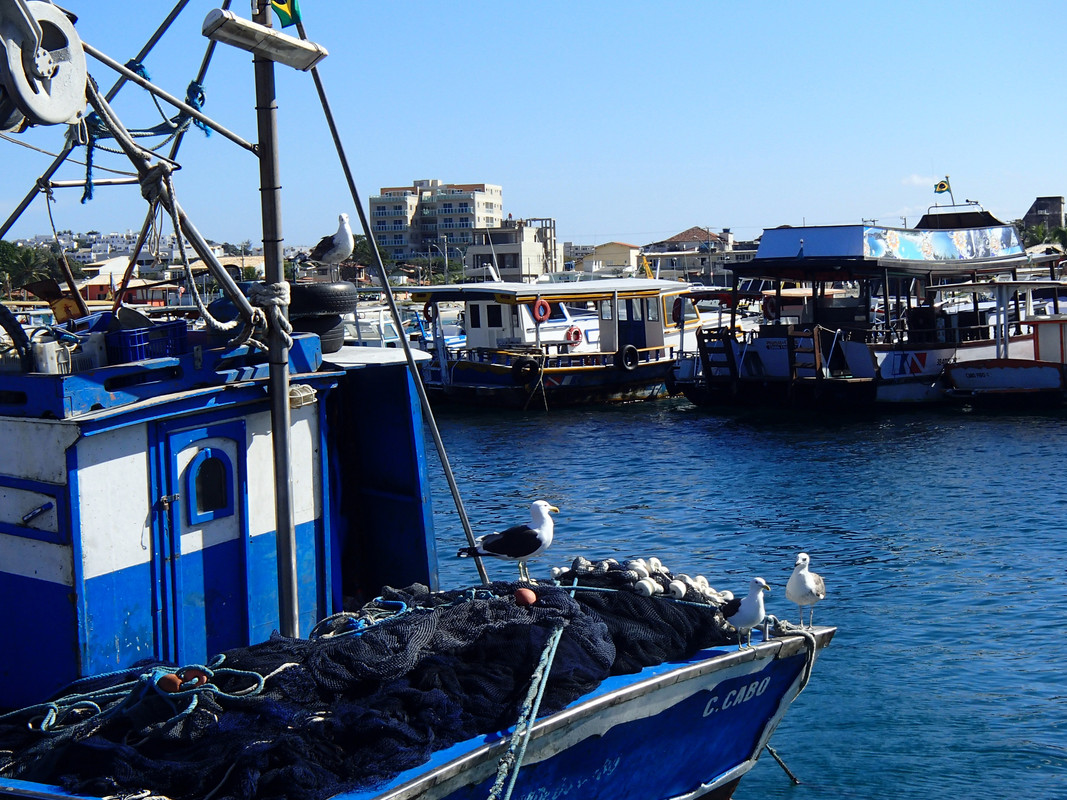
[(208, 486), (653, 310), (494, 317), (605, 309), (475, 315), (557, 311)]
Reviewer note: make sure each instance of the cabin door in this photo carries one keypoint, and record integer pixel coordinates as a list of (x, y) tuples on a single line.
[(203, 538), (632, 322)]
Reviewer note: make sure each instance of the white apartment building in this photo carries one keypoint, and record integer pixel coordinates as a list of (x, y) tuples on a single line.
[(431, 218)]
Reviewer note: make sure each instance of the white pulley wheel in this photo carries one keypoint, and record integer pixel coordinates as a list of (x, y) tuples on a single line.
[(47, 84)]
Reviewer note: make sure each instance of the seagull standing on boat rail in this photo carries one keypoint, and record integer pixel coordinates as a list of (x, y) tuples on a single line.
[(748, 612), (805, 588), (335, 248), (519, 542)]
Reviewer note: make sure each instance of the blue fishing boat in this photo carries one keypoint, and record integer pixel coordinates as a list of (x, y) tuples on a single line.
[(218, 557)]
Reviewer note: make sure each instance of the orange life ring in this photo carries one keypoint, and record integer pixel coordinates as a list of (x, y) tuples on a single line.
[(429, 311), (770, 307), (541, 310), (573, 335)]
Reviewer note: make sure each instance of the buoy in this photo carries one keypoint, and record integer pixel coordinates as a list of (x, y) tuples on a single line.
[(646, 587), (677, 589), (169, 683), (525, 597), (638, 566)]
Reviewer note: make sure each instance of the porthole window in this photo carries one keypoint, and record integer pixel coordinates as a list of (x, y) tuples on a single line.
[(209, 486)]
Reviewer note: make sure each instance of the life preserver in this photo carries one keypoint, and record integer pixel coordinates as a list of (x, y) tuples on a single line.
[(573, 335), (676, 310), (627, 358), (541, 309), (770, 307), (525, 370), (429, 311)]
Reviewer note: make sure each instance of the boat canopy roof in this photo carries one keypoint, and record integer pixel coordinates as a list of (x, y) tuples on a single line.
[(516, 293), (847, 252)]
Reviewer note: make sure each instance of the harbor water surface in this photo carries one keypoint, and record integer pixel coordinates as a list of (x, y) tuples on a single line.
[(941, 537)]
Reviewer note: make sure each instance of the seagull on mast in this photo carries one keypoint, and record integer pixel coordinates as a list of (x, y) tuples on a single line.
[(519, 542)]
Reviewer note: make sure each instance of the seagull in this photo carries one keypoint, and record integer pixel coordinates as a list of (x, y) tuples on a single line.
[(748, 612), (805, 588), (519, 542), (335, 248)]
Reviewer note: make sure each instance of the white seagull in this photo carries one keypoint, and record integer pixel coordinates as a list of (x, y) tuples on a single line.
[(748, 612), (335, 248), (805, 588), (519, 542)]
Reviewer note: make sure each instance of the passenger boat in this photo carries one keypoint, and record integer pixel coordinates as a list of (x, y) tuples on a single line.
[(868, 319), (198, 536), (560, 344)]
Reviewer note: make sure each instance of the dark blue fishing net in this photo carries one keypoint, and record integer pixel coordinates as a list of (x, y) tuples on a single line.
[(369, 695)]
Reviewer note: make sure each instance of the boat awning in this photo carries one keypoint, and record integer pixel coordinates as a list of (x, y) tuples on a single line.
[(846, 252)]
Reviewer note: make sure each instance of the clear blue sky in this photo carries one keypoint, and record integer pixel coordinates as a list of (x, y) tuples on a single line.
[(622, 121)]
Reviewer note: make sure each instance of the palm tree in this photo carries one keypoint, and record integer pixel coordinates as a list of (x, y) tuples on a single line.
[(22, 265)]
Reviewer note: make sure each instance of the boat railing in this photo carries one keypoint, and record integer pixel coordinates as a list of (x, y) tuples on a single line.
[(558, 359)]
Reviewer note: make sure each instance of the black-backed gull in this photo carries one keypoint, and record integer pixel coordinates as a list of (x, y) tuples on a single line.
[(519, 542)]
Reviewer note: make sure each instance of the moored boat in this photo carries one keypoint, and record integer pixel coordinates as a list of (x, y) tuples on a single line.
[(873, 318), (560, 344)]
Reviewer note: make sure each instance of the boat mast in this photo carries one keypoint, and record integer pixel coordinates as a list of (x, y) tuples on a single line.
[(278, 346)]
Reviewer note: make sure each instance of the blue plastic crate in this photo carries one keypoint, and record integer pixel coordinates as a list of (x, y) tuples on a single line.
[(127, 345), (168, 339)]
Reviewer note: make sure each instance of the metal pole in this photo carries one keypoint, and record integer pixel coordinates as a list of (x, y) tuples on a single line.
[(270, 201)]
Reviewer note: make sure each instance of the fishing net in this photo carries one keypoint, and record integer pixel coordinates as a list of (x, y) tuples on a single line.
[(365, 697)]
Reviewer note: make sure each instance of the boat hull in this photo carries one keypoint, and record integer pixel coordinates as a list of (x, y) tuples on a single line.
[(563, 382), (1007, 382), (672, 731)]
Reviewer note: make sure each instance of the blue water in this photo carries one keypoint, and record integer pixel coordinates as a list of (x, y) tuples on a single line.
[(940, 536)]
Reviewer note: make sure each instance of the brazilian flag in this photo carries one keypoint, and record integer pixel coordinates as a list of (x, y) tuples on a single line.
[(288, 11), (941, 187)]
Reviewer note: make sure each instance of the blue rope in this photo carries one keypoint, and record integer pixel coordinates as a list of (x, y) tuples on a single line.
[(95, 707), (511, 762), (195, 97)]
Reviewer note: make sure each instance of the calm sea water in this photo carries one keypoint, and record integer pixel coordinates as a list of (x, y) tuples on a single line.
[(941, 537)]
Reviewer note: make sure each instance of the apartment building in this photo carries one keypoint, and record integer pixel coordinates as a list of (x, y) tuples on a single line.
[(520, 250), (431, 218)]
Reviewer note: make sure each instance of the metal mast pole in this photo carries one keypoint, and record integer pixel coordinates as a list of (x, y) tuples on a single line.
[(270, 200)]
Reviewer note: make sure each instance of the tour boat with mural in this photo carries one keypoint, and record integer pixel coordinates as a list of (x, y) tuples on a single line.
[(548, 345), (201, 525), (866, 318)]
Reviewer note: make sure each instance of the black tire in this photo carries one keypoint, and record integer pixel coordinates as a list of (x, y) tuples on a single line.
[(627, 358), (331, 330), (525, 370), (18, 337), (320, 299)]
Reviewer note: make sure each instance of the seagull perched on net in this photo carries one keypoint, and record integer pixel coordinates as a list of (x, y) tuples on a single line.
[(336, 247), (805, 588), (519, 542), (748, 612)]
